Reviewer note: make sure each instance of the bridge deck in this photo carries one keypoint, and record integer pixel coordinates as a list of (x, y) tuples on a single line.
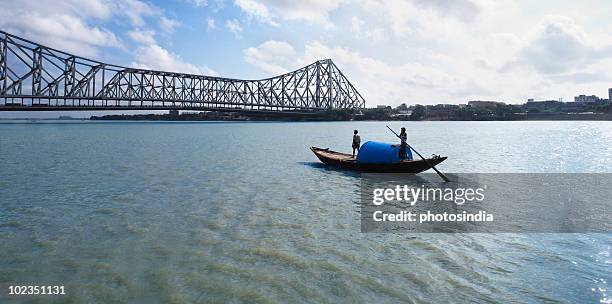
[(155, 108)]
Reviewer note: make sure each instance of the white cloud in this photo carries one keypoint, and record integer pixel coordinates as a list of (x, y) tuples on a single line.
[(199, 3), (465, 10), (210, 24), (421, 18), (256, 9), (143, 36), (137, 10), (168, 25), (75, 25), (59, 26), (377, 34), (360, 31), (558, 45), (233, 26), (92, 8), (273, 57), (356, 25), (315, 11), (154, 57)]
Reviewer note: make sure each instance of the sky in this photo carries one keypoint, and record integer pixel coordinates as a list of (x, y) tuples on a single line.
[(409, 51)]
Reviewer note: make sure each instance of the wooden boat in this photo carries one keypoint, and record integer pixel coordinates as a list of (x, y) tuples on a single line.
[(347, 161)]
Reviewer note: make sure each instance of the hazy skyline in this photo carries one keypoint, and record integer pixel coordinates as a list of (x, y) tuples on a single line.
[(412, 51)]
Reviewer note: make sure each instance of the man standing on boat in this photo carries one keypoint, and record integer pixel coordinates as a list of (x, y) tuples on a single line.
[(403, 145), (356, 142)]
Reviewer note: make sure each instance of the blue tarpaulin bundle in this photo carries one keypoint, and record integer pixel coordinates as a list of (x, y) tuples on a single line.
[(373, 152)]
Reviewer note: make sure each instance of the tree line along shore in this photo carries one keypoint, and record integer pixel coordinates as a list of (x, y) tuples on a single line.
[(479, 111)]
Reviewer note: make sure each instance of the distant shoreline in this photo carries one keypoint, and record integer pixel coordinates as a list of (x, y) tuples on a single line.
[(197, 117)]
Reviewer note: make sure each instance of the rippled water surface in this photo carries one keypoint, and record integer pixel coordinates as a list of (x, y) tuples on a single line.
[(243, 212)]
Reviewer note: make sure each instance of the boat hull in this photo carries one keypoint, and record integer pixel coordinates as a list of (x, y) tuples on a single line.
[(348, 162)]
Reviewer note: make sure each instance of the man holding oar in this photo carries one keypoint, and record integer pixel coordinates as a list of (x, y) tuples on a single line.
[(356, 142), (404, 142)]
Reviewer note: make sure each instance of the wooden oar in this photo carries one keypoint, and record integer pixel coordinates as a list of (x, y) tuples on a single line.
[(446, 179)]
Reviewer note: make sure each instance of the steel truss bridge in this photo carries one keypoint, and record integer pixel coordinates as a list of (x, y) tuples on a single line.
[(34, 77)]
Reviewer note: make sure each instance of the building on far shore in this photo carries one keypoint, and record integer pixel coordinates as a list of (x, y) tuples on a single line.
[(552, 106), (540, 104), (484, 104), (402, 115), (610, 94), (441, 111), (586, 98)]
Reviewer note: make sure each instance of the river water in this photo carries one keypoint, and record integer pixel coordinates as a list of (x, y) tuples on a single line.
[(144, 212)]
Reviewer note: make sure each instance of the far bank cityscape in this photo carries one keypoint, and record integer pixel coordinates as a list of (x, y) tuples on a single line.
[(588, 107)]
